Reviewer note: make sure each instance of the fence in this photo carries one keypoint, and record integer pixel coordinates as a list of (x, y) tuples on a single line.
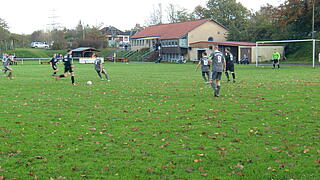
[(38, 60)]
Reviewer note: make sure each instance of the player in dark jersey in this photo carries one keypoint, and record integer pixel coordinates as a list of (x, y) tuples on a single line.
[(229, 64), (218, 66), (67, 60), (205, 67), (53, 62), (99, 68), (6, 64)]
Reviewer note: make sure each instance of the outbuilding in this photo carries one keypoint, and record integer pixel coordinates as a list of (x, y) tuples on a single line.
[(83, 52), (238, 49)]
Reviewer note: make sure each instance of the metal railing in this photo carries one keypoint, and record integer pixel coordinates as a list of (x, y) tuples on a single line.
[(37, 59)]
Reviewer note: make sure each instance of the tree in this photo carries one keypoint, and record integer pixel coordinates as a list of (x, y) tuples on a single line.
[(227, 12), (177, 14), (155, 16), (4, 34), (295, 16)]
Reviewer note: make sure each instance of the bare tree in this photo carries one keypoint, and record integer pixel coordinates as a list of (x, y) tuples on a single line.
[(155, 16), (172, 13)]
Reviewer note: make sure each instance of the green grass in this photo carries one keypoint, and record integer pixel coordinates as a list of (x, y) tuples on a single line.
[(35, 53), (160, 121)]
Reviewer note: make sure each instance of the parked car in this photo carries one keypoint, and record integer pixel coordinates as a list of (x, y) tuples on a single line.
[(39, 45)]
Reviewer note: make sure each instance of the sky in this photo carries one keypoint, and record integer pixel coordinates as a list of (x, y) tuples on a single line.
[(27, 16)]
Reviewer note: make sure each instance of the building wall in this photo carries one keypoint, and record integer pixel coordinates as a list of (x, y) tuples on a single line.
[(206, 30), (137, 44), (193, 53), (265, 52)]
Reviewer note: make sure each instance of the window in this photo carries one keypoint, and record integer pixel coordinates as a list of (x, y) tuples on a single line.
[(210, 39)]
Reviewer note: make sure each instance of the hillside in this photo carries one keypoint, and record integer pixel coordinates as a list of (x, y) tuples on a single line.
[(45, 53)]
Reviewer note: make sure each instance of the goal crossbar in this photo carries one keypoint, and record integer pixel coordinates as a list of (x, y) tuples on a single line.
[(289, 41)]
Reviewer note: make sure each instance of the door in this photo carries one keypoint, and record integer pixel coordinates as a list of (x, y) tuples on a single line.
[(200, 52)]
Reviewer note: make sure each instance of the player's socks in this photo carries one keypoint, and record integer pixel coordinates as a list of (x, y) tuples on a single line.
[(61, 76), (234, 77), (10, 75), (214, 89), (72, 79), (99, 74), (218, 91), (274, 66), (278, 66), (106, 76), (204, 77), (227, 74)]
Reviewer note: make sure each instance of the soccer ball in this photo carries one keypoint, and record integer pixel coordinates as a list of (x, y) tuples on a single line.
[(89, 82)]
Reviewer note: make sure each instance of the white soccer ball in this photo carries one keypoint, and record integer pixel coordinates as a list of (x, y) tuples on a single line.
[(89, 82)]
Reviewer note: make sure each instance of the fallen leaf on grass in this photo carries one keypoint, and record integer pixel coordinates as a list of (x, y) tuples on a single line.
[(240, 166), (74, 169), (197, 160), (134, 129), (189, 170), (149, 169), (204, 174), (213, 137)]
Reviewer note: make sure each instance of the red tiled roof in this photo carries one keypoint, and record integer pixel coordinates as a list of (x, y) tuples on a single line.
[(169, 31), (226, 43)]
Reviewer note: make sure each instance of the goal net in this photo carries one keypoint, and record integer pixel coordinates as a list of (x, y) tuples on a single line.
[(264, 54)]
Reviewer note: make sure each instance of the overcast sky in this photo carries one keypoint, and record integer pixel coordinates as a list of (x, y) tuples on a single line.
[(26, 16)]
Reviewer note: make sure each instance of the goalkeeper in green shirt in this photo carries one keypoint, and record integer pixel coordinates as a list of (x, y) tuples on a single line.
[(276, 58)]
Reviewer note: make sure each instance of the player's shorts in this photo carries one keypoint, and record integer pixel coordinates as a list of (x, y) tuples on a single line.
[(216, 75), (205, 68), (54, 67), (275, 61), (7, 68), (68, 69), (230, 67)]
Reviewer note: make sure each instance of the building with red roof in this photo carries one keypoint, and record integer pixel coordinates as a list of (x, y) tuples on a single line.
[(172, 40)]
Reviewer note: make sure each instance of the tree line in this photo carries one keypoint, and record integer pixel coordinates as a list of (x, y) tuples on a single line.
[(290, 20)]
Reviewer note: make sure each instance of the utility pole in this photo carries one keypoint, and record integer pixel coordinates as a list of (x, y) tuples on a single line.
[(313, 18)]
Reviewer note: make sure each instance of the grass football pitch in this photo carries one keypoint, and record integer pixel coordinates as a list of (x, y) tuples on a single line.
[(160, 121)]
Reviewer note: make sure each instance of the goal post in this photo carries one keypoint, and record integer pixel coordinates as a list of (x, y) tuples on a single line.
[(289, 41)]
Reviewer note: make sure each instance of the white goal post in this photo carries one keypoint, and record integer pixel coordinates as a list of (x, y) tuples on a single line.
[(290, 41)]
